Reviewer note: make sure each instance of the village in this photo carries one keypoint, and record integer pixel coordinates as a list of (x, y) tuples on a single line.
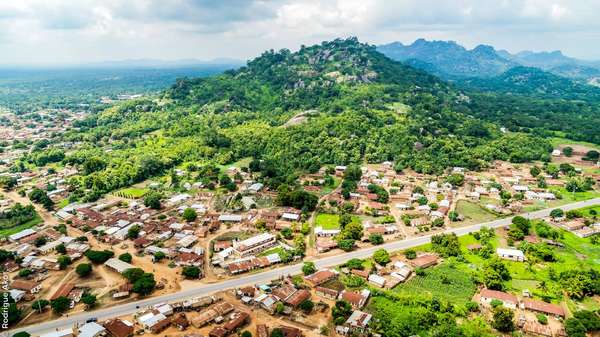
[(173, 233)]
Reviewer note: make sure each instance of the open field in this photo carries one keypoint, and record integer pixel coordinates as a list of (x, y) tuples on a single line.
[(556, 141), (473, 212), (331, 221), (131, 192), (15, 229), (442, 282)]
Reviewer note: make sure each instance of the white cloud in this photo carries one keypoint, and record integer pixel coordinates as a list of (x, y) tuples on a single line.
[(92, 30)]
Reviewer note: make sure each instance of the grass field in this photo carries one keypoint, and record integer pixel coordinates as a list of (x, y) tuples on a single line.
[(331, 221), (556, 141), (12, 230), (569, 197), (330, 188), (275, 250), (443, 282), (473, 213), (131, 192)]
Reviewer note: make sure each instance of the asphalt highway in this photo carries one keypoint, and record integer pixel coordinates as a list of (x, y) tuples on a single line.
[(268, 275)]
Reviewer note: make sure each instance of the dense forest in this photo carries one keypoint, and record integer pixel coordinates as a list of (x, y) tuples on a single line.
[(26, 90), (339, 102)]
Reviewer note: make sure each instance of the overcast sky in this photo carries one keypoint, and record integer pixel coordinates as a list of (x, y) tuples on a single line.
[(82, 31)]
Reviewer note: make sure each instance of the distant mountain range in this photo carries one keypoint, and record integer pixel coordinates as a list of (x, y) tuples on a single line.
[(450, 60)]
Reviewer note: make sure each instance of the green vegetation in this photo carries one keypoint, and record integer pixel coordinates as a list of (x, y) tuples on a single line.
[(237, 116), (131, 193), (18, 218), (445, 282), (474, 213)]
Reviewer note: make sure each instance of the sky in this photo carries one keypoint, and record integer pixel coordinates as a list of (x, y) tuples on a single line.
[(87, 31)]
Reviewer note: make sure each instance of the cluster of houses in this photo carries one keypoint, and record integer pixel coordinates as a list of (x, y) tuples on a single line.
[(578, 226), (526, 308)]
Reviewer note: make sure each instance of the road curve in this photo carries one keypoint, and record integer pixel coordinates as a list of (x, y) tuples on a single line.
[(266, 276)]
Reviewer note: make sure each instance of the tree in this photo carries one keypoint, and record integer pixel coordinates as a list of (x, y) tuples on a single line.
[(575, 328), (39, 305), (495, 273), (133, 274), (446, 244), (344, 220), (523, 224), (145, 284), (354, 264), (307, 306), (381, 257), (535, 171), (341, 311), (353, 230), (456, 179), (503, 319), (376, 239), (99, 256), (557, 213), (189, 214), (568, 151), (89, 300), (63, 261), (279, 308), (190, 272), (346, 244), (61, 249), (286, 232), (125, 257), (22, 334), (133, 232), (152, 200), (309, 268), (158, 256), (60, 305), (24, 273), (277, 332), (589, 319), (410, 254), (246, 333), (83, 269)]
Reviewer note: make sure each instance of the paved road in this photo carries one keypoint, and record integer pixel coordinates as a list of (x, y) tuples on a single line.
[(266, 276)]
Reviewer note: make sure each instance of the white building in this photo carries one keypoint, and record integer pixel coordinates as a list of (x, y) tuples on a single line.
[(255, 244), (510, 254)]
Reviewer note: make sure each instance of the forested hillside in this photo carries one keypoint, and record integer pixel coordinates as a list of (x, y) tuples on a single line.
[(355, 105)]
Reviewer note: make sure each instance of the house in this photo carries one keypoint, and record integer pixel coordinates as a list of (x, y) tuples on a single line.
[(119, 328), (290, 216), (22, 234), (239, 319), (377, 280), (255, 244), (63, 291), (218, 332), (510, 254), (320, 277), (357, 322), (181, 322), (355, 298), (27, 286), (230, 218), (118, 265), (91, 329), (297, 297), (255, 188), (424, 261), (289, 331), (543, 307), (328, 293), (189, 259), (486, 296), (320, 232)]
